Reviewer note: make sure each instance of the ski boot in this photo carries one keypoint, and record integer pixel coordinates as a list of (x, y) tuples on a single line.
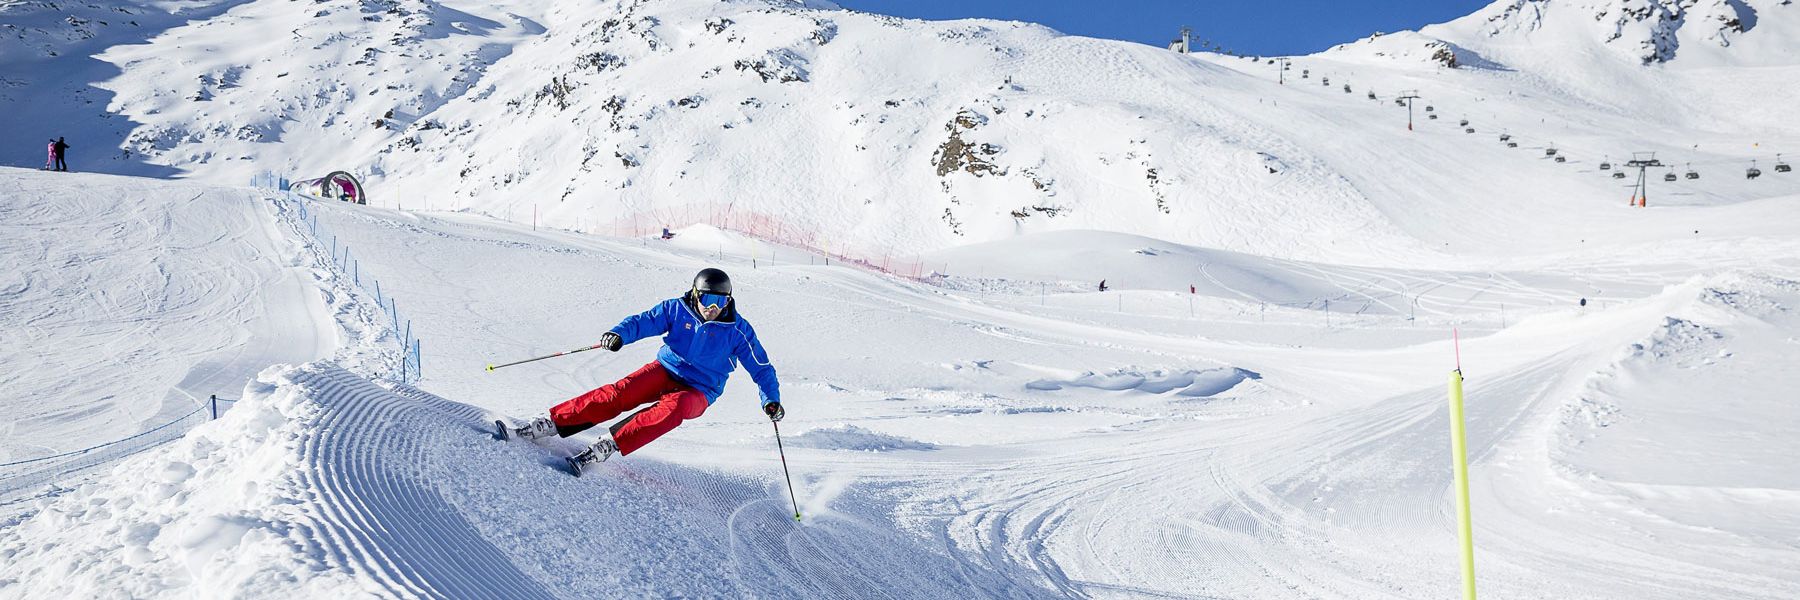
[(537, 428), (596, 453)]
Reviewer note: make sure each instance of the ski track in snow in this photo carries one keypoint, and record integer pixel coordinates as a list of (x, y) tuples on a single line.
[(393, 473), (382, 511)]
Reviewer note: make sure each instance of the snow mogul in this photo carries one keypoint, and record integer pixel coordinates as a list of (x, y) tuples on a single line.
[(704, 339)]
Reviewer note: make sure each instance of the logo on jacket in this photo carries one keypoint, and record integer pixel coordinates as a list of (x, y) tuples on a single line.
[(689, 326)]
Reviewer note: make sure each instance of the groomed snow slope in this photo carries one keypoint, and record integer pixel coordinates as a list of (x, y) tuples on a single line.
[(322, 483), (126, 302), (948, 441)]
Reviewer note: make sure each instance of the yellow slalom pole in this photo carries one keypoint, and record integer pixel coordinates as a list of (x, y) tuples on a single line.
[(1459, 446)]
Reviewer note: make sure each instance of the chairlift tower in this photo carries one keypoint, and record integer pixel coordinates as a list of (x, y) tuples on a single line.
[(1408, 96), (1184, 43), (1281, 71), (1643, 161)]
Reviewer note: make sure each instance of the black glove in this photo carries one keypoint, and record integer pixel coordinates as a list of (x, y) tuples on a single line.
[(611, 341), (773, 409)]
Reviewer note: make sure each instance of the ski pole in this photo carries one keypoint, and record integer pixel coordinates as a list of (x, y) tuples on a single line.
[(492, 367), (784, 470)]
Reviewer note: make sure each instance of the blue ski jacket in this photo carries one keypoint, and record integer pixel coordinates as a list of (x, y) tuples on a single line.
[(703, 353)]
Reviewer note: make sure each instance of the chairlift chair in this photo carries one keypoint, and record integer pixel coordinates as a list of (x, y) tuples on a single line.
[(1670, 176), (1305, 73), (1468, 130), (1752, 172), (1781, 167), (1432, 116), (1605, 165), (1551, 151), (1618, 174), (1346, 88), (1562, 159), (1430, 108), (1512, 144), (1691, 173), (1371, 95), (1463, 123)]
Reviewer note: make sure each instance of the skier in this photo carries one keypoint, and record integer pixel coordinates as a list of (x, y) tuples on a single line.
[(59, 149), (50, 156), (1103, 285), (704, 340)]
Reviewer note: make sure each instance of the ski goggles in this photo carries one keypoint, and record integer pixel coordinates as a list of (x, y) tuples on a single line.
[(717, 301)]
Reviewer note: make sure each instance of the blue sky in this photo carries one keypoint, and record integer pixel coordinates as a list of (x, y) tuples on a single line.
[(1267, 28)]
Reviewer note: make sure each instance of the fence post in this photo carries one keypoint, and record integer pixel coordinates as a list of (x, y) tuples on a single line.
[(213, 403)]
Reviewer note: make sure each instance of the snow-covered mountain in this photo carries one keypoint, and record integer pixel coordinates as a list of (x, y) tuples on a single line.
[(886, 134), (1254, 407)]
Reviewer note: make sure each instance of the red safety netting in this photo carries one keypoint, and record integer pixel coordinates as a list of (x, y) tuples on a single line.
[(774, 230)]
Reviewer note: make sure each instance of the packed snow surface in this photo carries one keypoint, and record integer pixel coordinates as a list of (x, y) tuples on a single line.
[(1254, 408)]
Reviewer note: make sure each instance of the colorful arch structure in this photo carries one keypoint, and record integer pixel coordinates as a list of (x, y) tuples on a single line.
[(337, 186)]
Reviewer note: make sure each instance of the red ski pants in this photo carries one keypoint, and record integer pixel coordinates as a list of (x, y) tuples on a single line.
[(671, 402)]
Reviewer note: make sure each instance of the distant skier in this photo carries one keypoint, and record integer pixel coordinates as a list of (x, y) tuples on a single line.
[(50, 156), (704, 340), (58, 150), (1103, 285)]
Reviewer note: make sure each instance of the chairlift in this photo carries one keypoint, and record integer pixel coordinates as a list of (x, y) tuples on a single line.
[(1468, 130), (1305, 73), (1399, 102), (1504, 137), (1371, 95), (1781, 167), (1562, 159), (1463, 123), (1605, 165), (1752, 172), (1512, 144), (1430, 108), (1670, 176), (1346, 88), (1551, 151), (1432, 116), (1618, 174), (1324, 81), (1691, 173)]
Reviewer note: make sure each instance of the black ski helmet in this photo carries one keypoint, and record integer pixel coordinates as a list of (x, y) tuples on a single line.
[(712, 281)]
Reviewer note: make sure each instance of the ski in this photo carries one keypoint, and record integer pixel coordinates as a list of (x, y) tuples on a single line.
[(503, 432)]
